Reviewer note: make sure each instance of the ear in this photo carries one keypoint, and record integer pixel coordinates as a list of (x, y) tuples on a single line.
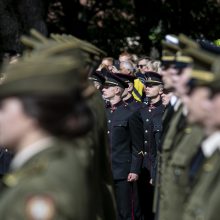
[(118, 90), (161, 91)]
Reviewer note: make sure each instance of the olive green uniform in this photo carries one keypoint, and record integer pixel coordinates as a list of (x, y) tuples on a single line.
[(163, 160), (177, 173), (203, 188), (51, 185)]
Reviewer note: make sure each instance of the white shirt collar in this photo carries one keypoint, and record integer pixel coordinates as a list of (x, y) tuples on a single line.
[(28, 152), (177, 105), (211, 144), (173, 100)]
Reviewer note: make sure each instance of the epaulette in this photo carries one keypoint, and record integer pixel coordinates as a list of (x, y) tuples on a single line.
[(12, 179)]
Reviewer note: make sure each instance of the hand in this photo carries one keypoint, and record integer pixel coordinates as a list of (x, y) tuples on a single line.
[(114, 69), (132, 177)]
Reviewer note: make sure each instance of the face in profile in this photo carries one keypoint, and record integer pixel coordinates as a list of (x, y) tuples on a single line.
[(197, 104), (167, 75), (108, 91), (14, 123), (166, 98), (180, 84), (214, 110), (153, 90)]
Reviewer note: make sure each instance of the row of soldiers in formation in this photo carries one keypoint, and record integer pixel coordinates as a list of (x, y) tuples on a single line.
[(134, 109), (174, 140), (71, 162)]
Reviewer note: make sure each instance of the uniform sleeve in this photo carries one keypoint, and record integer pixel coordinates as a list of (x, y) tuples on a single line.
[(212, 211), (137, 140)]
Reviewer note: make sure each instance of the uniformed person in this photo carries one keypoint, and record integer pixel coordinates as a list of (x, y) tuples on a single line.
[(209, 183), (127, 94), (42, 109), (184, 145), (153, 112), (93, 148), (173, 130), (151, 117), (203, 169), (126, 146)]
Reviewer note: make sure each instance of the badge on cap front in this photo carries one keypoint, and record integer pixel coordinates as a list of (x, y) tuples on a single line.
[(40, 207)]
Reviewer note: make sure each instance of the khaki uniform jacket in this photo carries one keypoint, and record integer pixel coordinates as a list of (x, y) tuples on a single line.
[(163, 158), (203, 191), (50, 185), (175, 186)]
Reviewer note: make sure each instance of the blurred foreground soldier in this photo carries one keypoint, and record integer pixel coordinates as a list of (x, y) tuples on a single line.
[(126, 145), (209, 181), (166, 97), (200, 179), (40, 185), (93, 148), (203, 170), (174, 125), (185, 143)]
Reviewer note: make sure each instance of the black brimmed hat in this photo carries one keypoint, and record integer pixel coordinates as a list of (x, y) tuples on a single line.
[(127, 78), (97, 77), (114, 80), (153, 78)]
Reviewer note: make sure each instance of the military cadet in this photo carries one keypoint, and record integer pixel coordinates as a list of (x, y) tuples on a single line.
[(126, 146), (151, 117), (127, 94), (40, 185), (154, 112)]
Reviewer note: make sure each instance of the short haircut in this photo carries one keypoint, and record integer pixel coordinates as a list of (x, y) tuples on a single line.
[(128, 65)]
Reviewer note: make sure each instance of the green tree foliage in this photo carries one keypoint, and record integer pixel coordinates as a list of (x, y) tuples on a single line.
[(138, 25), (135, 26)]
